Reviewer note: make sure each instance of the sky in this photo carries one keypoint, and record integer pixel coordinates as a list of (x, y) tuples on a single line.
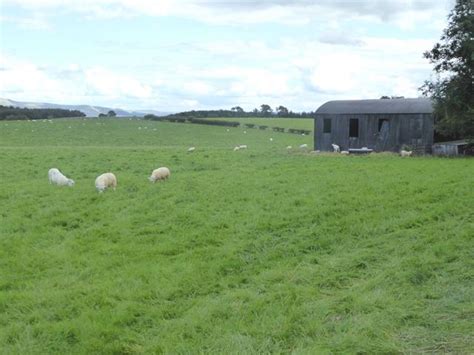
[(179, 55)]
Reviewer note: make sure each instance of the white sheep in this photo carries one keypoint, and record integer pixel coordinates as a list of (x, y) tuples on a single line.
[(162, 173), (336, 148), (243, 146), (344, 152), (236, 148), (289, 147), (406, 153), (191, 149), (57, 178), (303, 146), (105, 181)]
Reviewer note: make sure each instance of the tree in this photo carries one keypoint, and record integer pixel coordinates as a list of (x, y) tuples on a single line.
[(265, 109), (452, 92), (282, 111), (237, 109), (111, 113)]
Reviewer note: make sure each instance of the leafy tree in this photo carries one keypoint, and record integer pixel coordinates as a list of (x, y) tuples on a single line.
[(238, 109), (111, 113), (282, 111), (452, 91), (102, 115), (265, 109)]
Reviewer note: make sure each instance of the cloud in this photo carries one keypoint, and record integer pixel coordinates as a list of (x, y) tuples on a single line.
[(296, 12), (34, 22), (23, 80)]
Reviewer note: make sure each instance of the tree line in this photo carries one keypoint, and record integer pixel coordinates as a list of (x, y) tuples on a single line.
[(16, 113), (237, 111)]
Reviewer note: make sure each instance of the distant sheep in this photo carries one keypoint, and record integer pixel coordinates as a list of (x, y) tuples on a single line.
[(57, 178), (191, 149), (289, 147), (406, 153), (344, 152), (243, 146), (237, 148), (336, 148), (162, 173), (105, 181), (303, 146)]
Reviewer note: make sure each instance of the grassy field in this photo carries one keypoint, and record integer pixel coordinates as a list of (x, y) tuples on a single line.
[(256, 251)]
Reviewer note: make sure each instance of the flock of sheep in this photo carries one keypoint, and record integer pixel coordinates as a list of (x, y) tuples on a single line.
[(104, 181)]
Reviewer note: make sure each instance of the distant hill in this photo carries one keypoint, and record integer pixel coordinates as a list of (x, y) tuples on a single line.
[(89, 110)]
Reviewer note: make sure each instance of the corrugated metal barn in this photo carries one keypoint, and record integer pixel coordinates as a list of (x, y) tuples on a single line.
[(381, 125)]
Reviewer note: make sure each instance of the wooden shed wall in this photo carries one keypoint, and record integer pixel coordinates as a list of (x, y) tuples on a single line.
[(411, 129)]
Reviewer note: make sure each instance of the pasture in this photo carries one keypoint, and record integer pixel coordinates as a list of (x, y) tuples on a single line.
[(256, 251)]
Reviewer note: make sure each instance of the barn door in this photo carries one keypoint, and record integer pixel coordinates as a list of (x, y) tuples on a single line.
[(383, 134)]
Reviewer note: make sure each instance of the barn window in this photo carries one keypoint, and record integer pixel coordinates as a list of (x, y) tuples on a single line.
[(354, 128), (327, 125), (382, 122)]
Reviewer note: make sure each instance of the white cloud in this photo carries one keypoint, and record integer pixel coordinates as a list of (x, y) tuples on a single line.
[(33, 22), (104, 82), (296, 12), (23, 80)]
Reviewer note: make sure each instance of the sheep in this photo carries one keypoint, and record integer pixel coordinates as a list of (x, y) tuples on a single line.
[(105, 181), (344, 152), (289, 147), (303, 146), (271, 139), (336, 148), (243, 146), (406, 153), (191, 149), (57, 178), (236, 148), (162, 173)]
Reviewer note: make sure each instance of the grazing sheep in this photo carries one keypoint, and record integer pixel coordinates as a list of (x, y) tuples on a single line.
[(406, 153), (57, 178), (289, 147), (105, 181), (336, 148), (271, 139), (303, 146), (236, 148), (243, 146), (344, 152), (191, 149), (162, 173)]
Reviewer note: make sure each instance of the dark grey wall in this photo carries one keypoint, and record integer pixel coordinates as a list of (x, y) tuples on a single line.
[(411, 129)]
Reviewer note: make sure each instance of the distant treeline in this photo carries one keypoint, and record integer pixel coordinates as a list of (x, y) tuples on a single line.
[(16, 113), (266, 111)]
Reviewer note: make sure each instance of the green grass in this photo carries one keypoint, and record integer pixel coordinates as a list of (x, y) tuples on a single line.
[(254, 251)]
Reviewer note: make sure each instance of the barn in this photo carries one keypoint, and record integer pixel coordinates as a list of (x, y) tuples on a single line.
[(380, 125)]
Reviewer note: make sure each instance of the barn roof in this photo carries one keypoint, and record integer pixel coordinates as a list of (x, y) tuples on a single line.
[(388, 106)]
